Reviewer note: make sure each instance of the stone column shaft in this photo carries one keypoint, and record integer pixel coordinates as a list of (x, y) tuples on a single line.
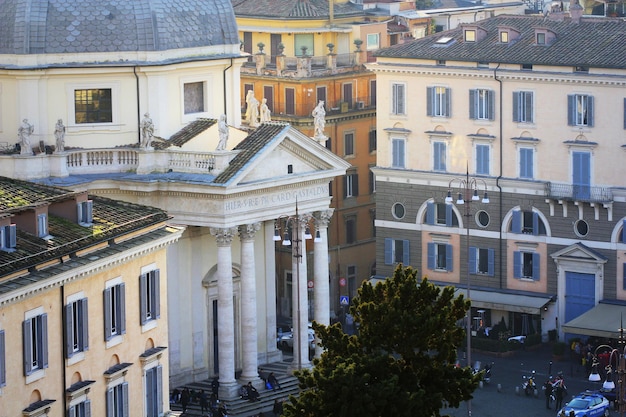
[(248, 304), (321, 285)]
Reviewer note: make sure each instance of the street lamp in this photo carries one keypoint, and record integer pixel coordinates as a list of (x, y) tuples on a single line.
[(297, 223), (468, 192)]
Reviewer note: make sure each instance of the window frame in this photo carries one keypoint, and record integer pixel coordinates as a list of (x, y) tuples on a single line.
[(434, 215), (76, 326), (153, 381), (393, 253), (351, 184), (192, 115), (524, 107), (8, 237), (348, 144), (372, 41), (114, 311), (580, 110), (476, 256), (483, 158), (35, 342), (438, 101), (398, 153), (117, 400), (91, 108), (350, 227), (526, 163), (84, 213), (436, 258), (440, 155), (482, 104), (73, 126), (520, 265), (398, 99), (149, 295)]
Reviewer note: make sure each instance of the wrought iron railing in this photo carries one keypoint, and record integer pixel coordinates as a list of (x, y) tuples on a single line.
[(573, 192)]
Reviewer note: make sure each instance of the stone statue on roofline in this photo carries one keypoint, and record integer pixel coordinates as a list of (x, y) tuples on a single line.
[(23, 133), (222, 129)]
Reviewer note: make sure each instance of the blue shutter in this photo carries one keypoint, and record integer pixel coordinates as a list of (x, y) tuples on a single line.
[(143, 298), (473, 251), (472, 104), (491, 262), (27, 346), (156, 297), (448, 215), (447, 100), (125, 400), (535, 223), (405, 252), (400, 98), (122, 308), (516, 224), (571, 110), (388, 251), (430, 98), (516, 103), (517, 264), (431, 256), (84, 325), (590, 118), (491, 105), (12, 237), (72, 411), (110, 405), (107, 314), (430, 213), (3, 366), (150, 393), (449, 259), (623, 231), (69, 320), (159, 389), (43, 342), (87, 408), (528, 115), (536, 266)]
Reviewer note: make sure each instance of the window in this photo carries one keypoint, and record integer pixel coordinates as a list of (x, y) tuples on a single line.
[(42, 225), (117, 401), (193, 97), (84, 213), (527, 67), (150, 303), (93, 106), (351, 229), (481, 105), (321, 94), (482, 159), (398, 210), (348, 144), (439, 156), (303, 42), (397, 153), (440, 257), (76, 327), (541, 38), (290, 101), (527, 222), (398, 105), (470, 36), (82, 409), (526, 163), (114, 311), (372, 41), (154, 391), (438, 101), (504, 37), (351, 185), (523, 107), (580, 110), (3, 363), (8, 237), (526, 265), (481, 261), (372, 140), (440, 214), (35, 343), (372, 182), (396, 251)]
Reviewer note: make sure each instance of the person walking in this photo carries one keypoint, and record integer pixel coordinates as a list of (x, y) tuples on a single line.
[(185, 397), (204, 402), (560, 390), (547, 387)]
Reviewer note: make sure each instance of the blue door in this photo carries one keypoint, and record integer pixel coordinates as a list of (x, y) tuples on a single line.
[(580, 295), (581, 172)]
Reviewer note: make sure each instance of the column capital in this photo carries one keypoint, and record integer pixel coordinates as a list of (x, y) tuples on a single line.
[(247, 231), (223, 235), (322, 218)]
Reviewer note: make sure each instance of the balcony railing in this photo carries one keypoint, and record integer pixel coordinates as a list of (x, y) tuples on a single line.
[(571, 192), (302, 66), (98, 161), (195, 163)]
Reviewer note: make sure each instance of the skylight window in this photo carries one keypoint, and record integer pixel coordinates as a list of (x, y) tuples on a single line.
[(444, 40)]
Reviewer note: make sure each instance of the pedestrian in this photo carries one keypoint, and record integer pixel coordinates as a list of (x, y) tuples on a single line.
[(560, 390), (204, 401), (271, 379), (185, 397), (547, 387), (278, 407), (253, 394), (215, 387)]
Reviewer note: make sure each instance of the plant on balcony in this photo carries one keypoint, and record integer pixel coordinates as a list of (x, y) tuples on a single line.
[(330, 47), (280, 48), (304, 49), (358, 43), (261, 45)]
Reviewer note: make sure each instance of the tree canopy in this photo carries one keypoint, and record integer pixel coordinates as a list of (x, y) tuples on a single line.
[(401, 362)]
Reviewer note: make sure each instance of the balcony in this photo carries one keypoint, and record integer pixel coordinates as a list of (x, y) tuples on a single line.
[(302, 66), (571, 192)]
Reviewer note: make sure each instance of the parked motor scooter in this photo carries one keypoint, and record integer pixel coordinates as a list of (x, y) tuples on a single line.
[(530, 385)]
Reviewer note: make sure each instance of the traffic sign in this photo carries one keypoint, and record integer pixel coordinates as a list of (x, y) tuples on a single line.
[(344, 300)]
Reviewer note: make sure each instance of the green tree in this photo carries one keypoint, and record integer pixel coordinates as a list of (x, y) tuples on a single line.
[(401, 362), (424, 4)]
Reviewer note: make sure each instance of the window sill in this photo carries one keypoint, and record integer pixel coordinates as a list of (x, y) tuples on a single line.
[(35, 376), (149, 325)]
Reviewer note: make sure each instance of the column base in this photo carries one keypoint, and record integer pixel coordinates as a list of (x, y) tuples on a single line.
[(293, 366), (229, 390)]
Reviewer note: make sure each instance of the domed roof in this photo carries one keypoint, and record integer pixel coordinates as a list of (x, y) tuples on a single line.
[(79, 26)]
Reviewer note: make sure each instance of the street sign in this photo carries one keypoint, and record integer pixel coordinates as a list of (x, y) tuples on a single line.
[(344, 300), (310, 284), (342, 282)]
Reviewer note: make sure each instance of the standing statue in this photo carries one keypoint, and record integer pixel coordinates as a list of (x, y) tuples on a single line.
[(147, 131), (222, 129), (319, 120), (266, 114), (25, 130), (253, 121), (59, 135), (249, 98)]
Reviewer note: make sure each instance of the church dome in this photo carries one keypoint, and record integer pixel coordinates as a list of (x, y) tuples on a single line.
[(30, 27)]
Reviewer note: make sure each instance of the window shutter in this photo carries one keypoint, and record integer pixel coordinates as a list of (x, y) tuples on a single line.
[(12, 237), (491, 105), (143, 298), (623, 231), (107, 314), (516, 223), (405, 252), (472, 104), (28, 346), (447, 101), (516, 103), (528, 116), (430, 213), (449, 215), (449, 258), (87, 408), (400, 97), (355, 185), (517, 264), (79, 212), (345, 186), (430, 98), (125, 400), (159, 389), (431, 256), (536, 267), (472, 259), (84, 325), (491, 262), (156, 297), (571, 110), (43, 340), (110, 404), (535, 224), (3, 366), (71, 412), (388, 251), (122, 308), (590, 118), (69, 321), (150, 393)]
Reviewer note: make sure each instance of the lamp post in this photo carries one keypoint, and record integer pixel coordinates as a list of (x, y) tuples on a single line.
[(468, 193), (298, 223)]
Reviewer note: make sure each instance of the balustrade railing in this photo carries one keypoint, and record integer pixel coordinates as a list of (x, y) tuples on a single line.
[(101, 160), (191, 162)]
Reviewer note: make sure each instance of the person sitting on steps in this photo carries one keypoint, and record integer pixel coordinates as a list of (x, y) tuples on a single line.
[(273, 381), (253, 394)]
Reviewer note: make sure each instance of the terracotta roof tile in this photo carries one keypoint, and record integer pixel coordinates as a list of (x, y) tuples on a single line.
[(294, 9)]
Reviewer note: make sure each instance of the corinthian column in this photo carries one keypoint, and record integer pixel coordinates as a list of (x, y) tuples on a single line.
[(248, 303), (321, 285), (225, 311)]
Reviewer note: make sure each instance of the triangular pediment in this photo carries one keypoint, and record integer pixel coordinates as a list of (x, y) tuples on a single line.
[(581, 252)]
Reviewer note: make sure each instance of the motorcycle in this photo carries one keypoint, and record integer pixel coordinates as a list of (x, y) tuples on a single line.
[(530, 385), (486, 370)]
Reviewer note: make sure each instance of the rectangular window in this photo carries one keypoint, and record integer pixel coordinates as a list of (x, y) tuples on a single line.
[(526, 265), (84, 213), (82, 409), (321, 94), (504, 37), (373, 41), (303, 43), (396, 251), (438, 101), (76, 327), (373, 93), (150, 303), (35, 335), (481, 261), (3, 363), (580, 110), (541, 38), (348, 144), (268, 93), (290, 101), (526, 163), (42, 225), (397, 153), (398, 97), (470, 36), (117, 401), (526, 222), (439, 156), (154, 391), (482, 159), (482, 104), (372, 140), (114, 311), (194, 97), (351, 185), (93, 106), (351, 229), (8, 237), (523, 107), (440, 214), (440, 256)]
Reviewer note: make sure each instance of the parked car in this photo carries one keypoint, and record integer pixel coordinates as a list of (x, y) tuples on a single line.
[(286, 341), (586, 404)]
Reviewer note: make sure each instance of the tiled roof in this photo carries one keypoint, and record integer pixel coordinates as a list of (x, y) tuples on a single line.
[(294, 9), (187, 133), (250, 147), (111, 218), (78, 26), (592, 42)]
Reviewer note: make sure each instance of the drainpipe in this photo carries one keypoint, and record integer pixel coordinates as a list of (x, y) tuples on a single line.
[(224, 78), (500, 204), (63, 366), (138, 106)]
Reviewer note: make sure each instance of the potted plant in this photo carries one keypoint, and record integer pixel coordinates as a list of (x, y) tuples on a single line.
[(261, 45), (358, 43), (304, 49), (330, 47), (280, 47)]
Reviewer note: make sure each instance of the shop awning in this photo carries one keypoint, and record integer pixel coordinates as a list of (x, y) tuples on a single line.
[(517, 303), (603, 320)]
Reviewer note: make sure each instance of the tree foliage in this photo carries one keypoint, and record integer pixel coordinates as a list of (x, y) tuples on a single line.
[(424, 4), (401, 362)]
